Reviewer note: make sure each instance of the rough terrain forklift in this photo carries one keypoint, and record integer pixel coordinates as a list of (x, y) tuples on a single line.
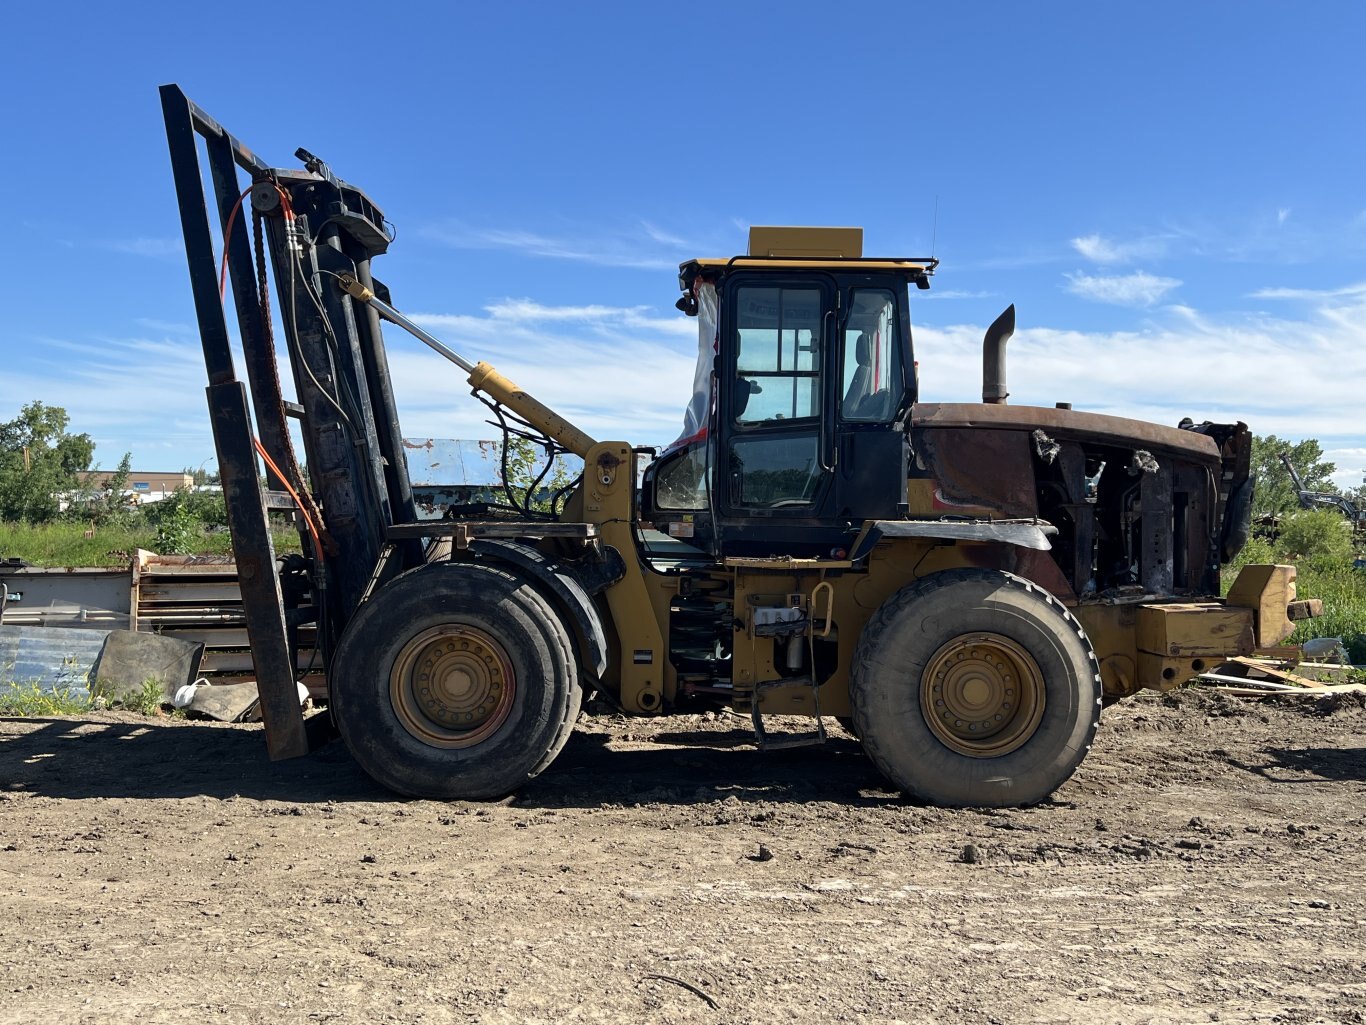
[(964, 585)]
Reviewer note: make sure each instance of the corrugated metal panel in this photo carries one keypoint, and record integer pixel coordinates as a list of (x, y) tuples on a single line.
[(194, 598), (50, 656)]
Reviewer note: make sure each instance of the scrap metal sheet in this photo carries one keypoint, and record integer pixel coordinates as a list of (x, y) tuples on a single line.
[(438, 462), (52, 657)]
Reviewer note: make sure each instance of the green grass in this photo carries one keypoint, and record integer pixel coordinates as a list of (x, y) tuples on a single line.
[(1343, 591), (28, 699), (146, 700), (1326, 576), (65, 543)]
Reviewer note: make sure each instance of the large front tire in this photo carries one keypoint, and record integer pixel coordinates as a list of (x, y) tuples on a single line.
[(975, 688), (455, 681)]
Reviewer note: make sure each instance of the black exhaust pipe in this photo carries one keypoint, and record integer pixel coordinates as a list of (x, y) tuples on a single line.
[(994, 357)]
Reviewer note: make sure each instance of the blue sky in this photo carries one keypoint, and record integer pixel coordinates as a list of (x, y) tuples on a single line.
[(1172, 194)]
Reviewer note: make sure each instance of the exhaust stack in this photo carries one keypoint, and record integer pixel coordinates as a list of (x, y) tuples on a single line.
[(994, 357)]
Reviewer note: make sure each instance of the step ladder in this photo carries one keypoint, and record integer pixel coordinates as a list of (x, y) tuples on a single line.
[(766, 740)]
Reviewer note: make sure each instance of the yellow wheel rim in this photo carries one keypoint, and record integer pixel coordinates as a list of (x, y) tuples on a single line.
[(982, 695), (452, 686)]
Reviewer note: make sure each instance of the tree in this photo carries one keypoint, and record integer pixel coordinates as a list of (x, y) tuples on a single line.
[(202, 476), (1321, 536), (38, 461), (111, 501), (526, 464), (1275, 495), (1357, 496)]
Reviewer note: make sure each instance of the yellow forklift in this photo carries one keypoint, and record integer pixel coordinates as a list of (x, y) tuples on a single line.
[(963, 585)]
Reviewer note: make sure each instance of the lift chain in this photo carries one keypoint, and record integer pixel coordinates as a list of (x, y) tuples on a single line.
[(291, 466)]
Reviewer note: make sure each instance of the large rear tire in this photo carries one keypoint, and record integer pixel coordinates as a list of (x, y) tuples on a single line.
[(455, 681), (975, 688)]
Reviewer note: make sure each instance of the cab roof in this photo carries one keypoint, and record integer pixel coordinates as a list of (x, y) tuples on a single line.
[(782, 248)]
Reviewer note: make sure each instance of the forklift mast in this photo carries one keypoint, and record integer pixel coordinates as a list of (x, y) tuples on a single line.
[(313, 226)]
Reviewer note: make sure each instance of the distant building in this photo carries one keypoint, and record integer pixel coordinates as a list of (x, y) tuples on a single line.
[(151, 486)]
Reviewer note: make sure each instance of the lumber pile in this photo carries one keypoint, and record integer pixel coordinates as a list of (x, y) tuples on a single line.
[(1282, 672)]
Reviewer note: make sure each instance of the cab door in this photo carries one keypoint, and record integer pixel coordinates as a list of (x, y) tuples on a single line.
[(873, 397), (776, 443)]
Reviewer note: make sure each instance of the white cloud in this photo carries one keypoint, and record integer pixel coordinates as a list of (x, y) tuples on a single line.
[(616, 372), (632, 251), (1282, 214), (629, 316), (1137, 289), (1347, 292), (168, 327), (528, 309), (952, 293), (1256, 369), (626, 372), (1099, 249), (620, 372), (139, 394), (663, 237), (1351, 466)]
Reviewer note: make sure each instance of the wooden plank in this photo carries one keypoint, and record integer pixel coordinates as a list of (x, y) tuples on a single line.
[(1263, 659), (1280, 674), (1291, 692), (225, 568), (1246, 683)]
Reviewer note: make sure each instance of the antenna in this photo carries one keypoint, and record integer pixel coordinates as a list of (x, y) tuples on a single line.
[(934, 232)]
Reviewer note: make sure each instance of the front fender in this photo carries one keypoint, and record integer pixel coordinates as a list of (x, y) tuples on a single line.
[(560, 582)]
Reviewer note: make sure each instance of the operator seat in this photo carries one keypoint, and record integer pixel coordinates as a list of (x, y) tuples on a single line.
[(859, 386)]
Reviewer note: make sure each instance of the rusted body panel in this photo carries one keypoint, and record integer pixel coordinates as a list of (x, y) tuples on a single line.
[(1097, 427), (1138, 506), (1145, 515), (984, 473)]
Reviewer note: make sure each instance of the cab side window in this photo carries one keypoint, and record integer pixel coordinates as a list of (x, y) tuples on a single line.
[(870, 358)]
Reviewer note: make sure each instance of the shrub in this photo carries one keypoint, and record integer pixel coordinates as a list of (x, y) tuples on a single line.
[(206, 507), (1257, 552), (178, 532), (1320, 537), (1343, 591), (146, 700)]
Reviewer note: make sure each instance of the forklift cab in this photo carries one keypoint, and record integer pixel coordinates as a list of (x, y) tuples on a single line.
[(806, 379)]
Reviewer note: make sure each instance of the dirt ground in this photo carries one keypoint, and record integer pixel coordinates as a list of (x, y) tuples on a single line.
[(1205, 864)]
